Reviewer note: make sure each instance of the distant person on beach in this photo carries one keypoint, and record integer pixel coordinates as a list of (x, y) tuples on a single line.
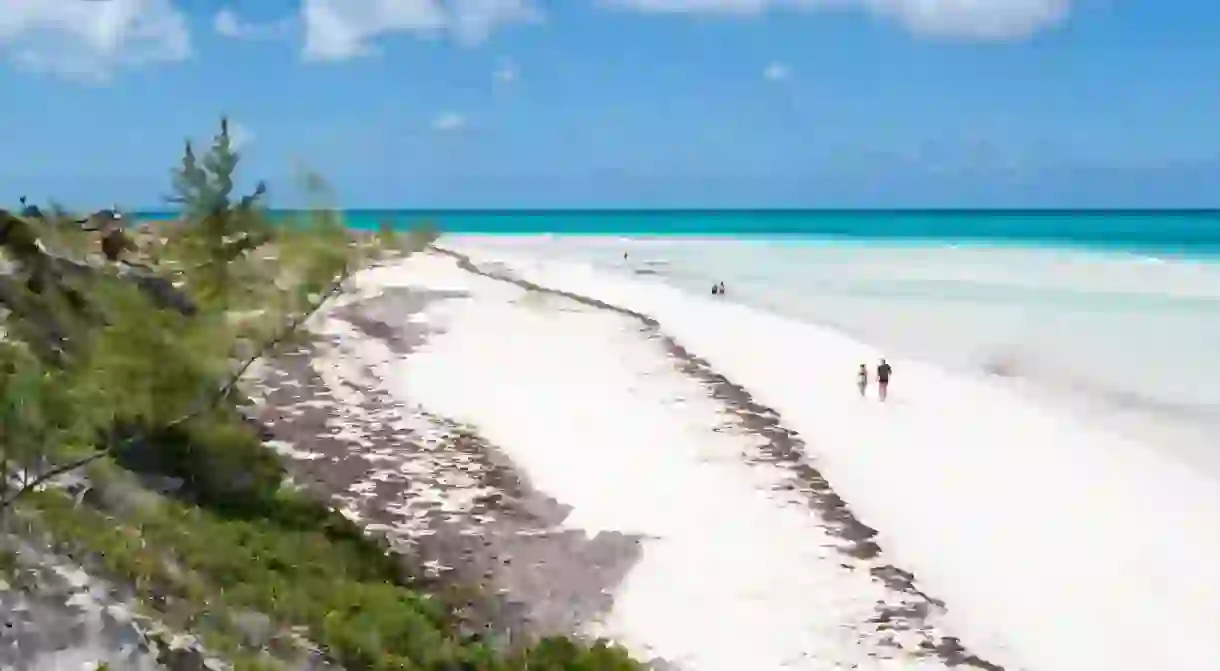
[(715, 290), (883, 379), (862, 379), (722, 288)]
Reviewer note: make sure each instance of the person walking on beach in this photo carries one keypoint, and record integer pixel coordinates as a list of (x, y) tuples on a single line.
[(883, 379), (722, 288), (862, 379)]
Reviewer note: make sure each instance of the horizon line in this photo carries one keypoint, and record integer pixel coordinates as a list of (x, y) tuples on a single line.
[(1215, 210)]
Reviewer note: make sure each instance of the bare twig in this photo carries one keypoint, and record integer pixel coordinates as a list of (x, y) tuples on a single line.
[(29, 485)]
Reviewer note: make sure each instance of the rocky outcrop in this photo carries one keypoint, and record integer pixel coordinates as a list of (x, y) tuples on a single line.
[(57, 616)]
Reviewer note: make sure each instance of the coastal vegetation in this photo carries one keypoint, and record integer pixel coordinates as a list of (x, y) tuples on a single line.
[(128, 446)]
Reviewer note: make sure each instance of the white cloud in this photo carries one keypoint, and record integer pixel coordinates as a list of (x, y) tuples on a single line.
[(341, 29), (449, 121), (336, 30), (229, 24), (698, 6), (506, 72), (975, 19), (473, 20), (969, 19), (776, 72), (241, 136), (90, 40)]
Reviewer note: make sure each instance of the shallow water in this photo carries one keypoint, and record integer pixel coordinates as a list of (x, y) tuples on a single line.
[(1050, 538), (1121, 338), (1110, 313)]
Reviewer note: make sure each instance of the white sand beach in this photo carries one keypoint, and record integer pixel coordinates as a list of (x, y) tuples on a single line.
[(1035, 540)]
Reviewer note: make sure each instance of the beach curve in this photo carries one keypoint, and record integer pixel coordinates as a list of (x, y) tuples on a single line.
[(738, 563), (1059, 544), (784, 448)]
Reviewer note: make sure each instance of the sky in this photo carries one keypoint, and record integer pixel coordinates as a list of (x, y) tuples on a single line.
[(622, 103)]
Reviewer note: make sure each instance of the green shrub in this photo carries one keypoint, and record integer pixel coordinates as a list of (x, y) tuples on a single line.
[(219, 458), (563, 654), (101, 370), (340, 585)]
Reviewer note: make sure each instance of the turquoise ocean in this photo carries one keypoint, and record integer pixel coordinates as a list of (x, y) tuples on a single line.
[(1113, 315), (1167, 231)]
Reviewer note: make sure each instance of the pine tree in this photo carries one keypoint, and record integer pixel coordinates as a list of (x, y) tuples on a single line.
[(218, 231), (138, 369)]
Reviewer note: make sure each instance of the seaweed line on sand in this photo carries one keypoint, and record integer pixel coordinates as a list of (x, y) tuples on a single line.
[(451, 502), (785, 449)]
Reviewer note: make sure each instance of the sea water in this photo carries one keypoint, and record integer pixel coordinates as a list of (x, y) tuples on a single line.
[(1121, 338), (1122, 330), (1114, 315), (1044, 533)]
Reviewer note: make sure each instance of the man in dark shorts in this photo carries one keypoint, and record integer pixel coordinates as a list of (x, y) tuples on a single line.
[(883, 379)]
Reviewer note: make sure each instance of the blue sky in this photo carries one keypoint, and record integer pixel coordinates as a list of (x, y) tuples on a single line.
[(629, 103)]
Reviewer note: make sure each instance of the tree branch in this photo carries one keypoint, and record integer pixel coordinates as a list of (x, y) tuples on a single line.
[(295, 324), (29, 485)]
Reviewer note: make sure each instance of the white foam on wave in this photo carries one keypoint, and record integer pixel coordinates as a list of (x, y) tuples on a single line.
[(1057, 545)]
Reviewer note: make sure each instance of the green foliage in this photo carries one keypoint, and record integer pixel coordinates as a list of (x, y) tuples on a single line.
[(563, 654), (150, 348), (131, 369), (125, 339), (42, 413), (302, 564), (221, 232), (162, 360), (219, 459)]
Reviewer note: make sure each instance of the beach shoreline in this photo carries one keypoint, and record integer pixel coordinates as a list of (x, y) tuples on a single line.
[(641, 477), (348, 431), (783, 448), (1063, 320), (1038, 528)]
